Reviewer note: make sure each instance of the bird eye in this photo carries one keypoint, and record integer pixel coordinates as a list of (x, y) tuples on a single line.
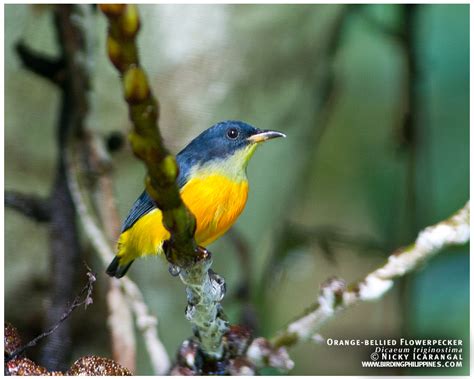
[(232, 133)]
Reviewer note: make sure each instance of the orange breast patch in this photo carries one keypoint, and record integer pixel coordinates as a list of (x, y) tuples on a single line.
[(217, 202)]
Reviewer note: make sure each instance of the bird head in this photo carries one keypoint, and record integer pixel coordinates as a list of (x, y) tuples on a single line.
[(225, 147)]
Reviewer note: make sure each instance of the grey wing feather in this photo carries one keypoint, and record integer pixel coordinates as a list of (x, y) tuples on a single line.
[(142, 206)]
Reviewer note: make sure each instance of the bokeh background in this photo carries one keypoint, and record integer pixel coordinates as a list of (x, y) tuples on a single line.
[(375, 102)]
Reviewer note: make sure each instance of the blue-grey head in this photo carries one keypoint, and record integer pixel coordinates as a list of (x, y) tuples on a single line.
[(225, 147)]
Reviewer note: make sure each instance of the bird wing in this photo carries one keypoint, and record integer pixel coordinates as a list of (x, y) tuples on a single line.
[(142, 206), (145, 204)]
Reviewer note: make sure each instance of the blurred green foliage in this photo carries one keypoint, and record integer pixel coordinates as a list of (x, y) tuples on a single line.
[(343, 165)]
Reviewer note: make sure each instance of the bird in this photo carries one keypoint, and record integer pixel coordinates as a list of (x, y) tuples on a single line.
[(213, 184)]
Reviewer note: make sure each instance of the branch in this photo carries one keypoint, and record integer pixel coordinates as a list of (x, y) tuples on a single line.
[(146, 323), (64, 236), (100, 184), (204, 288), (52, 69), (31, 206), (121, 327), (146, 140), (335, 296), (380, 26), (329, 237), (100, 168)]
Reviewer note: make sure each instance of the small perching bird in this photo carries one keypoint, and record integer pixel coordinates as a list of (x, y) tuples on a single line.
[(213, 185)]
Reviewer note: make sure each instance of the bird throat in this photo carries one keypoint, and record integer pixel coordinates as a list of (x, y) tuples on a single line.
[(232, 167)]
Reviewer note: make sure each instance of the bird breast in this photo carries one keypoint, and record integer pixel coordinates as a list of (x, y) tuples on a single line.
[(216, 201)]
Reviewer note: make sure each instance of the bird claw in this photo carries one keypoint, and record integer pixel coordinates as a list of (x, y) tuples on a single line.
[(202, 254)]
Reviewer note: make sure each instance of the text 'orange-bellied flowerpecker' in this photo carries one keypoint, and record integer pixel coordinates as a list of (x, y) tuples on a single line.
[(213, 185)]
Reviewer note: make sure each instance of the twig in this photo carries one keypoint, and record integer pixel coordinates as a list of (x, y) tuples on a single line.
[(328, 236), (120, 323), (147, 324), (120, 320), (90, 365), (31, 206), (95, 235), (100, 168), (335, 296), (78, 301)]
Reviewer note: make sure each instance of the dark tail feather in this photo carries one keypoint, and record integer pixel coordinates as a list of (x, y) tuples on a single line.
[(117, 270)]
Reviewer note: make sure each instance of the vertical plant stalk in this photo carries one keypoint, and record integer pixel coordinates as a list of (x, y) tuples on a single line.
[(100, 185), (145, 138), (410, 133), (146, 323), (204, 289), (326, 89), (65, 246), (411, 138)]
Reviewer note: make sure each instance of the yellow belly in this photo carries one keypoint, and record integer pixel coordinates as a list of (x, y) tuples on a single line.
[(215, 201)]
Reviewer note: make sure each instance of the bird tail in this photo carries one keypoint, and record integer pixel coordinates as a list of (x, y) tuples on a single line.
[(117, 269)]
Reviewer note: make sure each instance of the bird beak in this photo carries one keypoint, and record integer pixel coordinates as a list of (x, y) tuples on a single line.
[(264, 135)]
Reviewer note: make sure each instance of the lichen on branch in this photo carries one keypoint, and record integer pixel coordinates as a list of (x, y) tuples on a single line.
[(335, 296)]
